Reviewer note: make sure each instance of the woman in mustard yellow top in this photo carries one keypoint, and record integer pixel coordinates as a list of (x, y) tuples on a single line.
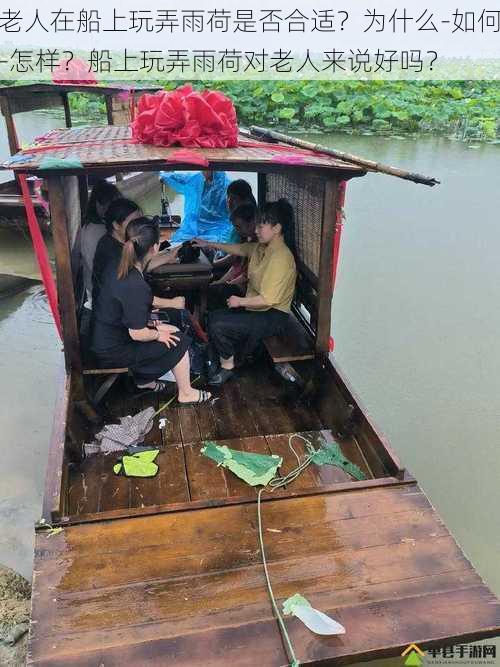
[(265, 308)]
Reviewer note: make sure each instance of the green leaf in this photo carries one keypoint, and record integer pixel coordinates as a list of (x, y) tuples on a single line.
[(310, 91), (294, 601), (134, 467), (287, 112), (343, 120), (344, 108), (253, 468), (147, 457), (278, 98)]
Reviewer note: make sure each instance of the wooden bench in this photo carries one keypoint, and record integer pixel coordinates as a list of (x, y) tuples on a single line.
[(295, 344), (112, 374)]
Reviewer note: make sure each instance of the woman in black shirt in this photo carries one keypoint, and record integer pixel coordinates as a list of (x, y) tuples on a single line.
[(109, 249), (123, 333)]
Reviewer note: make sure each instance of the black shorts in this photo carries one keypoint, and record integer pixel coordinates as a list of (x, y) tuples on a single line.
[(147, 361)]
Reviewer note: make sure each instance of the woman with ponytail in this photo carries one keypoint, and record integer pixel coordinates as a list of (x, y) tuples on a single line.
[(265, 308), (123, 334), (109, 249)]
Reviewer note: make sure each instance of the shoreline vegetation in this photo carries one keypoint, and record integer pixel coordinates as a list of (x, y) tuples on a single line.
[(459, 110)]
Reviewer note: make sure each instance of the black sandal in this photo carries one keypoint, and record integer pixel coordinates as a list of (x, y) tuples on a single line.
[(157, 389), (203, 397)]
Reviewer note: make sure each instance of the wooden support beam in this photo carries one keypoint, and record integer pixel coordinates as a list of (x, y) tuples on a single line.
[(108, 99), (9, 122), (67, 110), (261, 188), (83, 187), (326, 267), (65, 285)]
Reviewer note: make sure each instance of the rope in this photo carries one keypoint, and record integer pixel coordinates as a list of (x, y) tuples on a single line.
[(274, 484), (289, 646), (277, 483)]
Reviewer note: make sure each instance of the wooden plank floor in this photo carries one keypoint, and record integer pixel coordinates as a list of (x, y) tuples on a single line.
[(247, 412), (255, 403), (185, 474), (188, 588)]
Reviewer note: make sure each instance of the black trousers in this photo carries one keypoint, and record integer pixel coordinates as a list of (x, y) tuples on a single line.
[(238, 331), (219, 294)]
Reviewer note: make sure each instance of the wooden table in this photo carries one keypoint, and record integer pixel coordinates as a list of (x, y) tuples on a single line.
[(171, 280)]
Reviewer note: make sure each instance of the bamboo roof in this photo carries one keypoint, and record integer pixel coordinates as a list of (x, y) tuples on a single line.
[(112, 149)]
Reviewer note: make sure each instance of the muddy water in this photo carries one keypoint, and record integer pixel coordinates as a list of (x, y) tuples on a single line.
[(416, 324)]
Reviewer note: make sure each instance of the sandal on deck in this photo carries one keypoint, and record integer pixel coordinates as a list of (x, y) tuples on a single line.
[(157, 389), (203, 397)]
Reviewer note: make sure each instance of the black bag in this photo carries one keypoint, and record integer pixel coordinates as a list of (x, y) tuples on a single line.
[(188, 253)]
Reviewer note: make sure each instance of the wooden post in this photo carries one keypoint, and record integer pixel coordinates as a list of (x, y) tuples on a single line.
[(109, 109), (9, 122), (83, 186), (65, 286), (67, 110), (326, 268), (116, 114), (261, 188), (117, 110)]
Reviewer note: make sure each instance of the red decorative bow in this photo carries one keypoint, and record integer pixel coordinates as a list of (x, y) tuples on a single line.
[(186, 117), (75, 71)]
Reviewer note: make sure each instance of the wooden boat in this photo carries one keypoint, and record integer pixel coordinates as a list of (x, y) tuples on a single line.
[(34, 97), (168, 570)]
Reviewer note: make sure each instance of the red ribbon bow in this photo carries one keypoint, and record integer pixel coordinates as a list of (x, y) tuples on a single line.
[(186, 117)]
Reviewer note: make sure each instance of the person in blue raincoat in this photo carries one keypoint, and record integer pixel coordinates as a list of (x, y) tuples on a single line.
[(206, 214)]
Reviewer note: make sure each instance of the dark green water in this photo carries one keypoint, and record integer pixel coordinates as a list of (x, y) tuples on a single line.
[(416, 323)]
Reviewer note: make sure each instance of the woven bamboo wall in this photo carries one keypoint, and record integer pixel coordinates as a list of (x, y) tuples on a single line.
[(306, 194)]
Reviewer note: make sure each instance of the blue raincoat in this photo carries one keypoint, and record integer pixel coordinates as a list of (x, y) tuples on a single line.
[(206, 214)]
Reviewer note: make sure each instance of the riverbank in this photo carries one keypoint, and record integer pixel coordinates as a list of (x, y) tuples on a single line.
[(15, 603)]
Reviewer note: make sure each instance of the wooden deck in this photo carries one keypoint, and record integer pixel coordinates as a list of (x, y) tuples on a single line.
[(168, 570), (186, 475), (247, 415), (188, 588)]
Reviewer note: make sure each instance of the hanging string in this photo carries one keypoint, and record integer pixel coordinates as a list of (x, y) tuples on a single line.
[(277, 483), (288, 642)]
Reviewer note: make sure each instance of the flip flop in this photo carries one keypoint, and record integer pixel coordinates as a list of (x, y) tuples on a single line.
[(160, 386), (203, 397)]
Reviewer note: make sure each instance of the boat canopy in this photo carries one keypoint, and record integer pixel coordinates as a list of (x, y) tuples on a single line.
[(113, 149), (36, 96), (313, 183)]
